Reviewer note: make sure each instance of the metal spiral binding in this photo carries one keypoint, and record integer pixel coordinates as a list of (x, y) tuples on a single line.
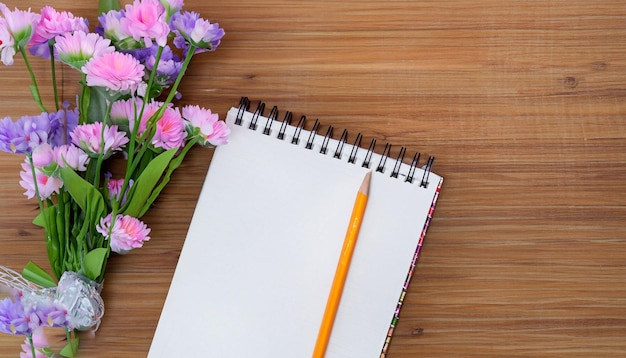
[(312, 134), (342, 141), (327, 136), (270, 119), (283, 126), (244, 106)]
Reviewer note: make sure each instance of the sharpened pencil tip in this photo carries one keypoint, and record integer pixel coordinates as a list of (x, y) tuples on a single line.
[(365, 186)]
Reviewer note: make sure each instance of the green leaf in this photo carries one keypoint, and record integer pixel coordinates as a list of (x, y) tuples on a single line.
[(97, 104), (37, 275), (93, 263), (84, 194), (142, 189), (105, 6), (71, 348), (35, 93)]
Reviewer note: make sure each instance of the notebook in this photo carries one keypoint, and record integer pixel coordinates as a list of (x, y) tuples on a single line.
[(259, 258)]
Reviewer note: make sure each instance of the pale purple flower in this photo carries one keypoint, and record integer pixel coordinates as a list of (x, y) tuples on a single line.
[(192, 30), (69, 155), (110, 28), (126, 234), (169, 64), (76, 48), (46, 185), (172, 7), (170, 130), (7, 44), (62, 123), (20, 24), (123, 112), (15, 318), (89, 138), (115, 71), (25, 134), (51, 24), (146, 21), (205, 124)]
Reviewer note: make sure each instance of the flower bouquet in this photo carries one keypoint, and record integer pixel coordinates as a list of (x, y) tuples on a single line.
[(130, 69)]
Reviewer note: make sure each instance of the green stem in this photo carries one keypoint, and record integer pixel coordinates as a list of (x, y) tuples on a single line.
[(34, 87), (54, 76), (32, 344), (82, 102), (96, 179)]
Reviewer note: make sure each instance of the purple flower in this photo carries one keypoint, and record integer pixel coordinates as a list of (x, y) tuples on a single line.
[(146, 21), (24, 135), (16, 319), (89, 138), (110, 28), (126, 234), (51, 24), (62, 123), (192, 30)]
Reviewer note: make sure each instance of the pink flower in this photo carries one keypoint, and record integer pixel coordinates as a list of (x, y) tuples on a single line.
[(170, 130), (75, 49), (51, 24), (7, 44), (202, 122), (42, 155), (115, 71), (69, 155), (146, 20), (88, 137), (16, 29), (126, 234), (40, 341), (21, 24), (46, 185)]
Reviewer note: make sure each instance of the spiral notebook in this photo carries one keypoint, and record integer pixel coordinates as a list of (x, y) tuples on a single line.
[(261, 251)]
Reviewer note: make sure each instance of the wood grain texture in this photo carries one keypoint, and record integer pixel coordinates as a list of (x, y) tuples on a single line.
[(522, 102)]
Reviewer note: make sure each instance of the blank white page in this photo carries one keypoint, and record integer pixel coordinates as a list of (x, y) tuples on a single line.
[(262, 248)]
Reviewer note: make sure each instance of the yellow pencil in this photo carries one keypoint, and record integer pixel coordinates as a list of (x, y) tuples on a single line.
[(342, 268)]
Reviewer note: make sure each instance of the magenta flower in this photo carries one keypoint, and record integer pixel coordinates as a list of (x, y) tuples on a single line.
[(205, 124), (192, 30), (170, 130), (146, 21), (115, 71), (69, 155), (76, 48), (126, 234), (51, 24), (46, 185), (114, 186), (89, 138), (20, 25)]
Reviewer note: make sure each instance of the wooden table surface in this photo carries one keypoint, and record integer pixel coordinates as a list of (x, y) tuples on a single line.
[(523, 103)]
